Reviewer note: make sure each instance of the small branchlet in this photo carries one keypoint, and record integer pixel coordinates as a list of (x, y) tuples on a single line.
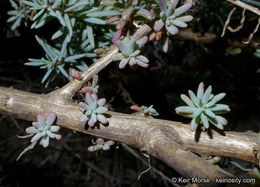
[(101, 145)]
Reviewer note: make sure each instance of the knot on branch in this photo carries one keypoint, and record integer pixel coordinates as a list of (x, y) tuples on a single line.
[(159, 136)]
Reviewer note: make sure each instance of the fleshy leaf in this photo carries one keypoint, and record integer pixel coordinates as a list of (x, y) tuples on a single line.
[(205, 121), (193, 98), (215, 99), (50, 119), (187, 100), (206, 95)]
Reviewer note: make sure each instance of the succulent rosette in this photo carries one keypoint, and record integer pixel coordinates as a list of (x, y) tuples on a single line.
[(130, 52), (171, 18), (93, 110), (44, 130), (203, 108)]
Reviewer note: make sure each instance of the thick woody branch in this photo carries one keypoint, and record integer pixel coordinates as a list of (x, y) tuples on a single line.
[(166, 140)]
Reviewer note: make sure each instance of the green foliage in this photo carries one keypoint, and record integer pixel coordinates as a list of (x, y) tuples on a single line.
[(203, 108), (17, 14), (55, 60), (74, 41), (84, 25)]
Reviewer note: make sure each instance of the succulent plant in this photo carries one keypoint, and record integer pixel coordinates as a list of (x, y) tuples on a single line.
[(94, 110), (130, 52), (41, 130), (100, 144), (91, 87), (149, 111), (171, 19), (203, 108), (44, 129)]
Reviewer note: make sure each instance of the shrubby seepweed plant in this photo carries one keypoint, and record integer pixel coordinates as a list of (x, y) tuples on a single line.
[(85, 30), (42, 130), (203, 108)]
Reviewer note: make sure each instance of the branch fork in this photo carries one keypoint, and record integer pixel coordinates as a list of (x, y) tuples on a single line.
[(165, 140)]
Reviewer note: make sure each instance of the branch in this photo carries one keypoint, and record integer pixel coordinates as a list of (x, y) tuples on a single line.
[(171, 142), (165, 140), (188, 34), (67, 91), (245, 6)]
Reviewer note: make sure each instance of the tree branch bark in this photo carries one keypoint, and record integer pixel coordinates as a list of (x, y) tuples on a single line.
[(160, 138), (171, 142), (72, 87), (245, 6)]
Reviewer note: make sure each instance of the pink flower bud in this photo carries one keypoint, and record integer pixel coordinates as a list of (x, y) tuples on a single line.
[(158, 36), (134, 107), (152, 36), (100, 141), (74, 73)]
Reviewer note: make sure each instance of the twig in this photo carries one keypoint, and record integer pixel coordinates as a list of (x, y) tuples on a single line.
[(242, 21), (188, 34), (227, 21), (16, 124), (240, 167), (100, 171), (252, 34), (133, 152)]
